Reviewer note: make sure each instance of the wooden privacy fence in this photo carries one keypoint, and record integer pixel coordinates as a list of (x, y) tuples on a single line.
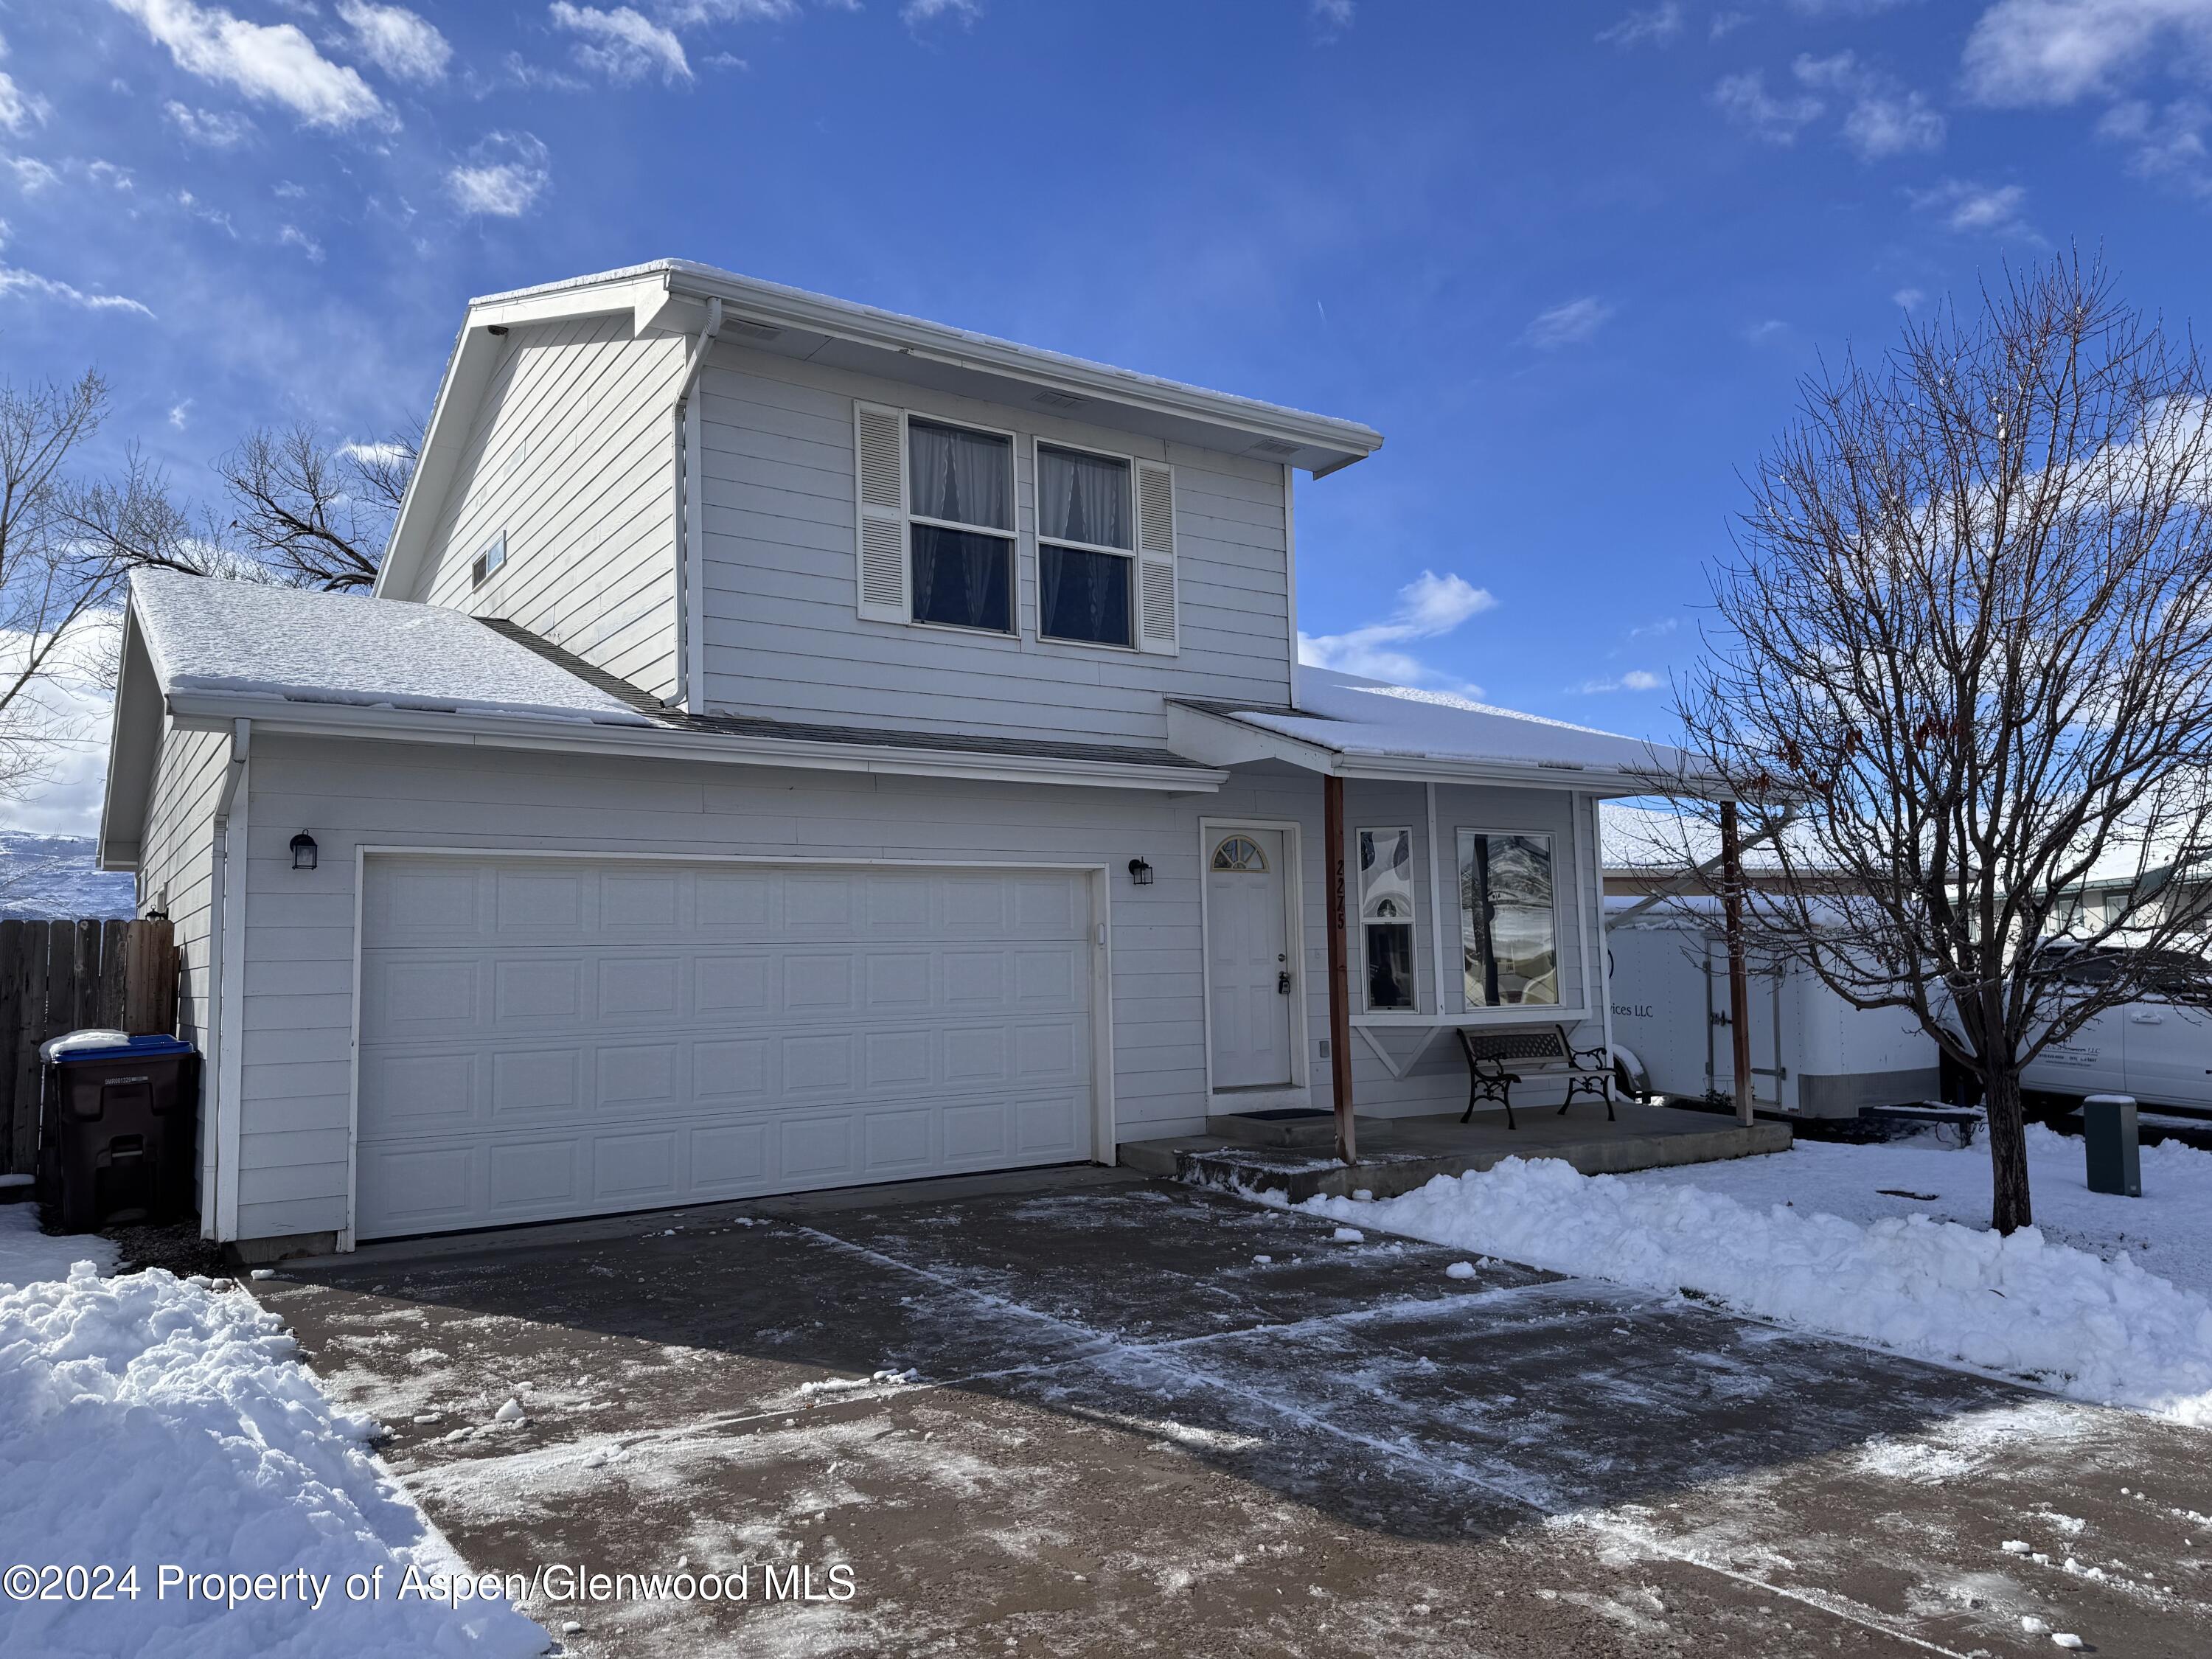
[(57, 976)]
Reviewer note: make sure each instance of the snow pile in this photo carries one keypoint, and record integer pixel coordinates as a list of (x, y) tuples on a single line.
[(264, 640), (2102, 1331), (28, 1254), (2166, 1231), (145, 1422)]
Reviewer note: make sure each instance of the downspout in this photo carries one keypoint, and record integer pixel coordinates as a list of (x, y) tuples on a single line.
[(219, 1060), (690, 530)]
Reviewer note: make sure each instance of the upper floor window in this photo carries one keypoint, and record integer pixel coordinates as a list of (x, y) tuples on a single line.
[(1086, 546), (935, 538), (961, 526)]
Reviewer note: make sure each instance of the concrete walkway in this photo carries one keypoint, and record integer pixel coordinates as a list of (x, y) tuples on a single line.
[(1129, 1417), (1397, 1154)]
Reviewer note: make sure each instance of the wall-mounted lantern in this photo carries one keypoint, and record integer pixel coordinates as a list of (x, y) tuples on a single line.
[(1140, 872), (303, 851)]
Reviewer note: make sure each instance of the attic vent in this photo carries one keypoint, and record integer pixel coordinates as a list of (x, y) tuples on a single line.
[(751, 330), (1273, 446), (1058, 400), (1561, 766)]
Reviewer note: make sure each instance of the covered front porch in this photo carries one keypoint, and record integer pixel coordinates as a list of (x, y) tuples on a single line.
[(1398, 1154)]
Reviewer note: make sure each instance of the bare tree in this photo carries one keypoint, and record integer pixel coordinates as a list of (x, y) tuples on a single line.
[(52, 584), (318, 515), (1966, 639)]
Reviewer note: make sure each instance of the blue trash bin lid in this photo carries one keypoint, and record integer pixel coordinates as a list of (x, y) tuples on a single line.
[(73, 1048)]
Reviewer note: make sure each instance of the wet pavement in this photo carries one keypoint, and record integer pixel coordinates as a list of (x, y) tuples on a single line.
[(1076, 1413)]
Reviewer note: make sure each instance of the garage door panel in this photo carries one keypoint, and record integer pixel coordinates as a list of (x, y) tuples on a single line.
[(566, 1037)]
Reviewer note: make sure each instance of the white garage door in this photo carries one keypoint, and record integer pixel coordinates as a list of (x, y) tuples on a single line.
[(543, 1038)]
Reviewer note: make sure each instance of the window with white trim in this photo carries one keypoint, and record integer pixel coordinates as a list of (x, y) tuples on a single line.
[(1386, 917), (960, 526), (1086, 547), (1508, 920)]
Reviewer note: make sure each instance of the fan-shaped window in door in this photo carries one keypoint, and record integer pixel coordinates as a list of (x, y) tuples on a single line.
[(1241, 854)]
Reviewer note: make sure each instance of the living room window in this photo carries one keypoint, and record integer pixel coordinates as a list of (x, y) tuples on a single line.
[(1509, 927), (961, 526), (1086, 546), (1386, 916)]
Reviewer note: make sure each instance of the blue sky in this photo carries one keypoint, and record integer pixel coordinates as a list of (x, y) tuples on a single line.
[(1569, 258)]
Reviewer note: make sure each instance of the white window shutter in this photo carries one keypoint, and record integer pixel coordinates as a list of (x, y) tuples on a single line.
[(1157, 622), (879, 472)]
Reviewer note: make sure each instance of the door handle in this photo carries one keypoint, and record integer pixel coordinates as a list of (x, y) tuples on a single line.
[(2147, 1020), (1283, 984)]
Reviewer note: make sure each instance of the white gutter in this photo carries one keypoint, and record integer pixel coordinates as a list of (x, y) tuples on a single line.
[(212, 710), (220, 1066), (690, 528)]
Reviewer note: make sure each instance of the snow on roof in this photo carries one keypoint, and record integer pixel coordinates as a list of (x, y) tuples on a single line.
[(1349, 716), (250, 638)]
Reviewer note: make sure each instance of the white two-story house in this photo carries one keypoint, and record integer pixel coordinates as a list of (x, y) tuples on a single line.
[(793, 745)]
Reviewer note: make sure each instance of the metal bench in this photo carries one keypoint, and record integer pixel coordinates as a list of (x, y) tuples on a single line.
[(1544, 1049)]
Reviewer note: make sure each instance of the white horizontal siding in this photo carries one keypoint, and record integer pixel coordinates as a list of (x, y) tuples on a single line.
[(299, 925), (780, 632), (572, 459)]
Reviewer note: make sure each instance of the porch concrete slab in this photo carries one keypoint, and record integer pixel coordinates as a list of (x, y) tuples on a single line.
[(1398, 1154), (1127, 1433)]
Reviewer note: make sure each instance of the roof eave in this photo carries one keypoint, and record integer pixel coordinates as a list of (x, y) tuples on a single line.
[(199, 709)]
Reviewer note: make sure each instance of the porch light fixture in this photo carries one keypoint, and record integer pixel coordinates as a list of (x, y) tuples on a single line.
[(1140, 872), (303, 851)]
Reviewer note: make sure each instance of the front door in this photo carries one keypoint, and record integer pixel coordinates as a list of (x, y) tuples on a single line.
[(1250, 979)]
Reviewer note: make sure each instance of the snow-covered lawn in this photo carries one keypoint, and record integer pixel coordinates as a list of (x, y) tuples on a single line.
[(1805, 1238), (148, 1422)]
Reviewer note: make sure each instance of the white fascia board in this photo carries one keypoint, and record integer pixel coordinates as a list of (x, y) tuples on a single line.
[(790, 307), (1223, 740), (133, 744), (197, 710)]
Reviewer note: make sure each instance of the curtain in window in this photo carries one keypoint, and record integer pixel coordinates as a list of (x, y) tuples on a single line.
[(1082, 498), (1083, 595), (966, 476), (963, 578)]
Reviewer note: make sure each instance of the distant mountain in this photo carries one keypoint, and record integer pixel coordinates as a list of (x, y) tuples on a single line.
[(50, 877)]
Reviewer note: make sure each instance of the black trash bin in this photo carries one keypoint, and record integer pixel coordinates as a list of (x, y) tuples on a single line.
[(115, 1140)]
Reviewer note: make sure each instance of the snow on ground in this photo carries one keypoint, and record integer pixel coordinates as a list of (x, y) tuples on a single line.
[(27, 1255), (2167, 1232), (149, 1421), (1751, 1233)]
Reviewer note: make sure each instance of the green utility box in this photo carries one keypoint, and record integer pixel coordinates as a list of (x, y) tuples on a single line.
[(2108, 1135)]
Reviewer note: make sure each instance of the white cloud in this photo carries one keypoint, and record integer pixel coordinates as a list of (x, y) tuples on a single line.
[(1657, 630), (505, 173), (1976, 210), (1334, 15), (1726, 23), (180, 414), (1635, 679), (1429, 607), (382, 453), (69, 711), (19, 109), (965, 12), (689, 14), (623, 44), (1760, 332), (273, 63), (2025, 52), (32, 175), (293, 236), (1658, 27), (1575, 323), (1908, 299), (1886, 118), (2163, 143), (396, 41), (216, 129), (13, 281), (1745, 100)]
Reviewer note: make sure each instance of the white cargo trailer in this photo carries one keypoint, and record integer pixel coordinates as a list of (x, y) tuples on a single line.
[(1812, 1054)]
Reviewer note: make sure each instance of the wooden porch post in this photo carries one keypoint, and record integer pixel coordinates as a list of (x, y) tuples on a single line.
[(1739, 982), (1340, 972)]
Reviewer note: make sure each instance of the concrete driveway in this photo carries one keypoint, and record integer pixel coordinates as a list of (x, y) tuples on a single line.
[(1146, 1418)]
